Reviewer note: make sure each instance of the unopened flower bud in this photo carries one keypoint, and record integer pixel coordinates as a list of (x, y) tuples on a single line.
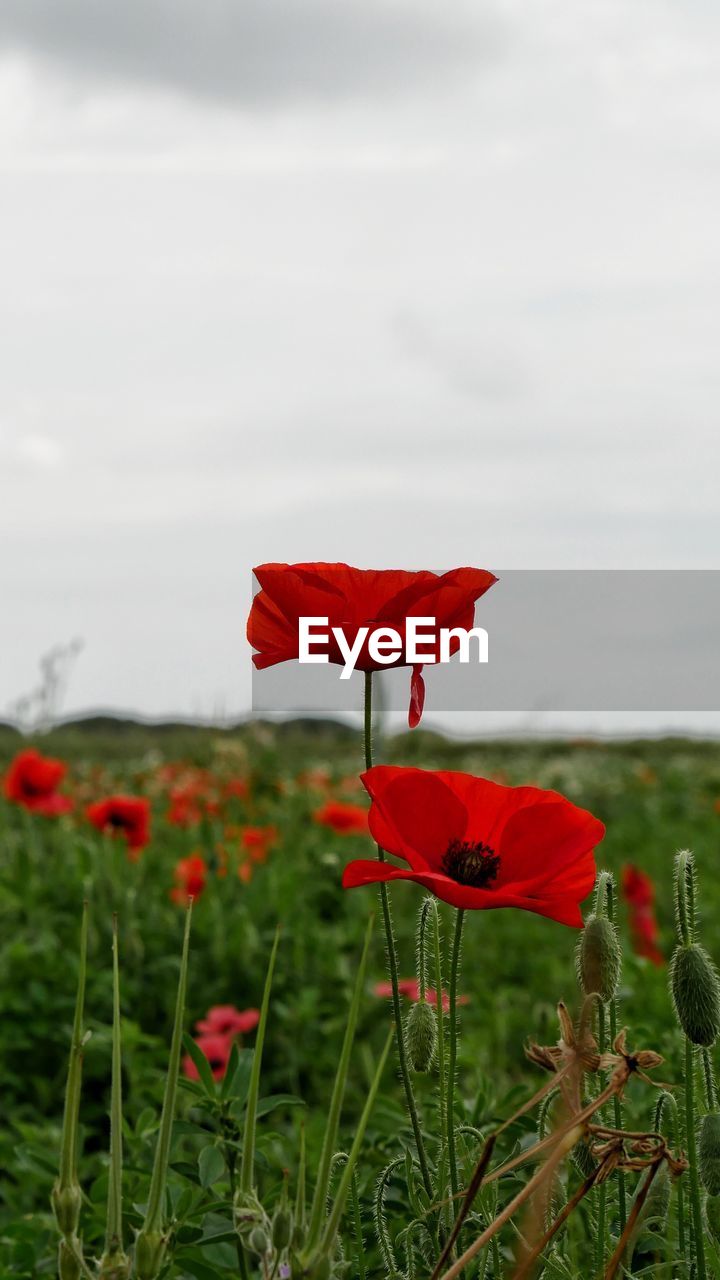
[(258, 1241), (598, 958), (696, 993), (282, 1226), (712, 1214), (247, 1213), (66, 1203), (709, 1153), (420, 1036), (149, 1254), (69, 1265)]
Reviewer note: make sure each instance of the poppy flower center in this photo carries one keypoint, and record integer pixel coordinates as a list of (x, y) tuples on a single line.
[(472, 864)]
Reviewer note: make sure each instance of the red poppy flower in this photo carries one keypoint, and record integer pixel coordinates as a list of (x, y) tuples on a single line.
[(639, 893), (226, 1020), (127, 816), (217, 1051), (353, 598), (477, 844), (237, 789), (33, 780), (217, 1033), (191, 876), (410, 987), (258, 841), (347, 819)]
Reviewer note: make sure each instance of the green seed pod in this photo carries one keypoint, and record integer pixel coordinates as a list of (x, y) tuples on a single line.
[(696, 993), (712, 1215), (282, 1227), (150, 1249), (420, 1036), (66, 1204), (709, 1153), (69, 1265), (598, 958), (258, 1241)]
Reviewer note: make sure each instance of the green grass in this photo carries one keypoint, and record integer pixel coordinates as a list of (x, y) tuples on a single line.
[(655, 797)]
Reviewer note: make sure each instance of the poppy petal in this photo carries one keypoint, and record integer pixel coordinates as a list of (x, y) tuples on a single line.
[(414, 814), (417, 697)]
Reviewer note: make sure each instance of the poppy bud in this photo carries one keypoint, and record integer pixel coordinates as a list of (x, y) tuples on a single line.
[(598, 958), (712, 1214), (420, 1036), (696, 993), (69, 1265), (258, 1241), (282, 1227), (709, 1153), (66, 1203), (149, 1254)]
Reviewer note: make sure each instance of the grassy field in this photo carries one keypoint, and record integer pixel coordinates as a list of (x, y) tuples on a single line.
[(655, 798)]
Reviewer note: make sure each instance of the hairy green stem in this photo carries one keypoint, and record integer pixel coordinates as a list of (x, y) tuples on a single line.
[(690, 1139), (452, 1064), (394, 978)]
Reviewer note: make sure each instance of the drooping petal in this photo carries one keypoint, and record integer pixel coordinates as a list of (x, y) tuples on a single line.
[(417, 697), (559, 908)]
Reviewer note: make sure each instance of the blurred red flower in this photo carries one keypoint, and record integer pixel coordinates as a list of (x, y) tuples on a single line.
[(347, 819), (127, 816), (191, 877), (33, 780), (218, 1031), (410, 987), (237, 788), (258, 841), (352, 598), (226, 1020), (639, 893), (184, 809), (478, 845)]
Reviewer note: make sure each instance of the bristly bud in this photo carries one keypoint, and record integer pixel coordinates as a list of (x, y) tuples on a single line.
[(712, 1215), (696, 993), (709, 1153), (282, 1222), (420, 1036), (598, 958), (69, 1265)]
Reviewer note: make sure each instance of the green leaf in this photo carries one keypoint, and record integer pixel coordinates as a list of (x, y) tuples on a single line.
[(267, 1105), (203, 1066), (211, 1165)]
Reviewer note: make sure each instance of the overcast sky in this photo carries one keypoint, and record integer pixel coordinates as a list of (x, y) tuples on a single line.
[(394, 282)]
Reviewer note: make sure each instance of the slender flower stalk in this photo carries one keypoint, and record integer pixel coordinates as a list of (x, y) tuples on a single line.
[(452, 1064), (322, 1183), (393, 967), (66, 1195), (114, 1264), (151, 1243), (247, 1168)]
